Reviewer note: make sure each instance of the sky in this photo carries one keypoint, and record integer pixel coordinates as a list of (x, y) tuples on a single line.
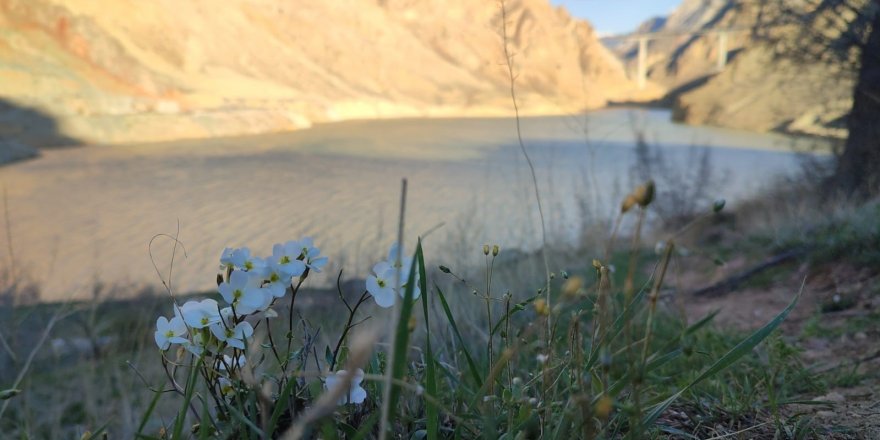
[(617, 16)]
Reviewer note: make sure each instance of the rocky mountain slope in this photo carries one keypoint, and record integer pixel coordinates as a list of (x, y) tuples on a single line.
[(140, 71), (762, 88)]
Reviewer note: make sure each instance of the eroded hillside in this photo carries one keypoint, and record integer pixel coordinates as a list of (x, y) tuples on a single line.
[(134, 71)]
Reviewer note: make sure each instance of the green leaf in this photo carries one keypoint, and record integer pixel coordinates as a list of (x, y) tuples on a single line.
[(433, 423), (149, 411), (280, 405), (518, 307), (187, 397), (467, 355), (727, 360), (401, 340)]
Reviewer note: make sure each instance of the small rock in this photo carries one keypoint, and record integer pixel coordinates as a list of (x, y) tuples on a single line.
[(833, 396)]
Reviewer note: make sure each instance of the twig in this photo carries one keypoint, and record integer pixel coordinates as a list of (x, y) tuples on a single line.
[(509, 60), (348, 326), (166, 284), (59, 315), (9, 247), (732, 282)]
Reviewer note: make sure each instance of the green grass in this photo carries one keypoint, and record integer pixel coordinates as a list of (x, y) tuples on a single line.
[(613, 368)]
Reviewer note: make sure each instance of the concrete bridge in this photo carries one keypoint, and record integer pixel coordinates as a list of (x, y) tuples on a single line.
[(722, 36)]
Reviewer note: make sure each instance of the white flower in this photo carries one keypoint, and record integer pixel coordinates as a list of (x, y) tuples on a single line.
[(243, 292), (285, 260), (226, 386), (197, 345), (233, 336), (381, 284), (255, 300), (356, 393), (388, 274), (200, 314), (226, 259), (243, 260), (231, 362), (278, 281), (403, 267), (310, 255), (170, 332)]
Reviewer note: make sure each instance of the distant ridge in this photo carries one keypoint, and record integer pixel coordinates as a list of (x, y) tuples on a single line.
[(141, 71)]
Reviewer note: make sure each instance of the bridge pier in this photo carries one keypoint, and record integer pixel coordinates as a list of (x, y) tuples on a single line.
[(642, 67), (722, 50)]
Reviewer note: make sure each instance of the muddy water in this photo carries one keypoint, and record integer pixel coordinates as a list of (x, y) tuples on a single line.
[(89, 213)]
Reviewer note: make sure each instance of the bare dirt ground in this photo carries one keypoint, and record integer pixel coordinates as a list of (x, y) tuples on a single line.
[(836, 325)]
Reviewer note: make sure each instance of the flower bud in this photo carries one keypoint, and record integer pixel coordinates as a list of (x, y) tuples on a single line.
[(571, 286), (444, 269), (541, 307), (603, 407), (718, 205), (597, 264), (485, 249), (495, 250)]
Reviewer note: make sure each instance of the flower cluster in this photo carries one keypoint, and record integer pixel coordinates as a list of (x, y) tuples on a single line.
[(383, 283), (249, 286), (218, 332)]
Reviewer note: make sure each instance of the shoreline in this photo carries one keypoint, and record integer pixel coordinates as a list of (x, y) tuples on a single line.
[(655, 105)]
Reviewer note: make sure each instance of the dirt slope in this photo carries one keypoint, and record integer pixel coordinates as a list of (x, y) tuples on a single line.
[(134, 71)]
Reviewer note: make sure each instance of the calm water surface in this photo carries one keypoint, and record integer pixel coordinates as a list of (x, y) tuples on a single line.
[(89, 213)]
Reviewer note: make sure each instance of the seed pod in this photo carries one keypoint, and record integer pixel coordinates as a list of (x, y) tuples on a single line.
[(628, 203), (495, 250), (485, 249), (718, 205), (444, 269), (644, 194)]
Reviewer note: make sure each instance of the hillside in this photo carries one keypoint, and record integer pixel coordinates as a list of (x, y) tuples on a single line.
[(134, 71), (762, 88)]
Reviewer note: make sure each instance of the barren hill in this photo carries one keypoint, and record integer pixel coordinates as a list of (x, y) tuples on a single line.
[(762, 88), (135, 71)]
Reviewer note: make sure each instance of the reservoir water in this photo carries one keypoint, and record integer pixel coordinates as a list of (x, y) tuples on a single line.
[(84, 214)]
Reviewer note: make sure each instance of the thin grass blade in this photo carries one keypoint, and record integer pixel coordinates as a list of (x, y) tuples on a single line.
[(727, 360)]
